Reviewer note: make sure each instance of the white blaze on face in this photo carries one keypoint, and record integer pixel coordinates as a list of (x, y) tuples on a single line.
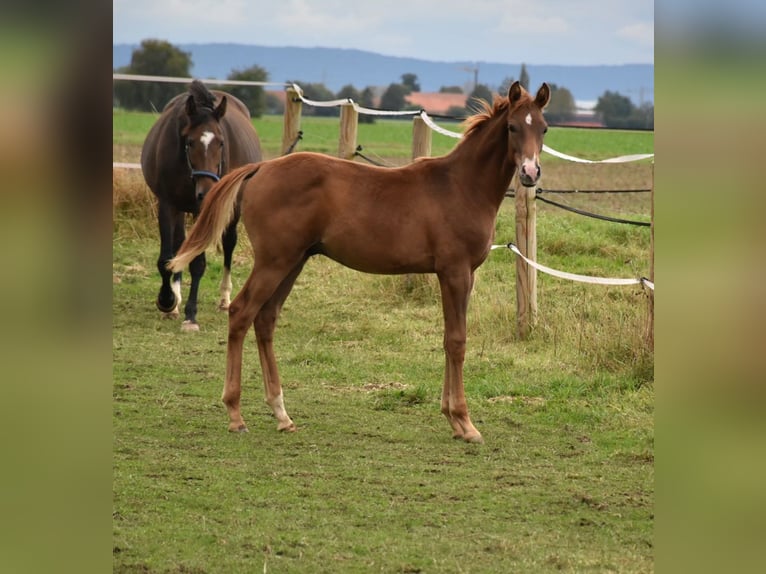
[(529, 165), (206, 138)]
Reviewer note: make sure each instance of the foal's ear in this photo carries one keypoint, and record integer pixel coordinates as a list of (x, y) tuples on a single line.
[(543, 96), (515, 92), (221, 109)]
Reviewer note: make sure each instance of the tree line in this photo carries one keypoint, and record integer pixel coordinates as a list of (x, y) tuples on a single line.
[(160, 58)]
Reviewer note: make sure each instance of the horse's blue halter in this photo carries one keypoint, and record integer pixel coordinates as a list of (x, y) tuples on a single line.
[(202, 172)]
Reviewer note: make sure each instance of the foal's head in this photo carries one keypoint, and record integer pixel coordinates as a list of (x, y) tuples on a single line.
[(202, 137), (526, 127)]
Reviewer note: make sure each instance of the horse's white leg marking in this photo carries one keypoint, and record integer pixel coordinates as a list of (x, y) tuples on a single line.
[(225, 290), (277, 405), (206, 138), (175, 285)]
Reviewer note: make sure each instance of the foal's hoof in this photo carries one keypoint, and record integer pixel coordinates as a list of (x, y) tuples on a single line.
[(189, 326), (287, 427), (223, 305), (473, 438), (166, 306), (238, 428)]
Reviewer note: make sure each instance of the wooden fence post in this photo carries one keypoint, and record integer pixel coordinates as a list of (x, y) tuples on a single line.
[(526, 275), (292, 119), (421, 138), (348, 124)]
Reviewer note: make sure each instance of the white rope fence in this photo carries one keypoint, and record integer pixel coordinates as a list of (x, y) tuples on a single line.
[(435, 127), (574, 276), (619, 159), (357, 107)]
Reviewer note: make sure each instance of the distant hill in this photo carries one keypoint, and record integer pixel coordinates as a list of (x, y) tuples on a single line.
[(338, 67)]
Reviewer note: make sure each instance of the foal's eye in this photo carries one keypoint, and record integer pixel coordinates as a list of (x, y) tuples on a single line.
[(512, 128), (545, 130)]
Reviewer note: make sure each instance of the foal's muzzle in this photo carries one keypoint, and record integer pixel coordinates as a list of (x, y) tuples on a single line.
[(529, 173)]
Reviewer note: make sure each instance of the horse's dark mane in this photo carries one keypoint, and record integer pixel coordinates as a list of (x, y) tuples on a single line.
[(202, 96)]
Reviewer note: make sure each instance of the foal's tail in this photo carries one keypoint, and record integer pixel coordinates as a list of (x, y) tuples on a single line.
[(217, 212)]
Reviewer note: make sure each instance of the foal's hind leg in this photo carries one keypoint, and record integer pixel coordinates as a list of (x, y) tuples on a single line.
[(256, 292), (264, 325)]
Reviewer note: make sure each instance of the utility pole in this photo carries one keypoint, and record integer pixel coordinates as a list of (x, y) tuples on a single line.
[(475, 70)]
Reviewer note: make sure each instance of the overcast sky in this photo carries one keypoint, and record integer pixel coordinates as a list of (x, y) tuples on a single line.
[(582, 32)]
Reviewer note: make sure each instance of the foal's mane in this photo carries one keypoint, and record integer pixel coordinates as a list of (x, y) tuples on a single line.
[(489, 111)]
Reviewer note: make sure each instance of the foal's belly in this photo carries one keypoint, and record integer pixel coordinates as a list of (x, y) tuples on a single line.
[(373, 255)]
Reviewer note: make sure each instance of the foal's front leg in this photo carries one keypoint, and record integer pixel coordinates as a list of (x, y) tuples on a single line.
[(456, 290)]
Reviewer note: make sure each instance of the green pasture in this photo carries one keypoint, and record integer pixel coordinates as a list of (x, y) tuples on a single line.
[(391, 139), (372, 480)]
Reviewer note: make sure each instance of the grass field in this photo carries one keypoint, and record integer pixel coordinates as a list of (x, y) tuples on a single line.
[(391, 140), (372, 480)]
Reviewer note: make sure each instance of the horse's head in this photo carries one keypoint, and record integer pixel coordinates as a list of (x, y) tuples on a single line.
[(203, 141), (526, 128)]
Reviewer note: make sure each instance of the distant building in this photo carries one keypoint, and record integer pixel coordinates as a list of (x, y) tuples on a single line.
[(436, 102), (585, 116)]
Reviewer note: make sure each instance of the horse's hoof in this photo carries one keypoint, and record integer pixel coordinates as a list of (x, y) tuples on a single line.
[(172, 315), (474, 438), (238, 428), (223, 306), (189, 326), (287, 427), (164, 307)]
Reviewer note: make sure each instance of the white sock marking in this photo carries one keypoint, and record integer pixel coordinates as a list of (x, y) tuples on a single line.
[(226, 288), (176, 287)]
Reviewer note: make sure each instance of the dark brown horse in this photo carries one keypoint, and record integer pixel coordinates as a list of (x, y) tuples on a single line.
[(200, 136), (435, 215)]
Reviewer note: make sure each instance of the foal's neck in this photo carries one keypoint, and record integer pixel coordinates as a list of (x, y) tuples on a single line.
[(486, 165)]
